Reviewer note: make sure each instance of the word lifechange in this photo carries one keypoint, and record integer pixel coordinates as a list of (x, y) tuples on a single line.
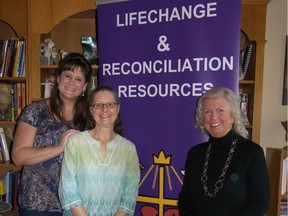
[(163, 90), (169, 66), (167, 15)]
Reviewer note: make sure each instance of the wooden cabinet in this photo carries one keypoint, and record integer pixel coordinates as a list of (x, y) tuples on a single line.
[(274, 158)]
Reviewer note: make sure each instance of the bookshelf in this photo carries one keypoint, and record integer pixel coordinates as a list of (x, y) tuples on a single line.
[(274, 158), (13, 24), (253, 22), (10, 27)]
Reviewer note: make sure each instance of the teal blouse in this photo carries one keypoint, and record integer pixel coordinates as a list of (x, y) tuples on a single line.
[(102, 185)]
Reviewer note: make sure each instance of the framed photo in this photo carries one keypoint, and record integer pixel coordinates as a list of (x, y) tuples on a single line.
[(285, 78)]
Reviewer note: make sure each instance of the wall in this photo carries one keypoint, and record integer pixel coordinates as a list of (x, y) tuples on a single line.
[(273, 112)]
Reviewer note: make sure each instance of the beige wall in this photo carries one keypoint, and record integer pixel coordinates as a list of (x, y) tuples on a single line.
[(272, 132)]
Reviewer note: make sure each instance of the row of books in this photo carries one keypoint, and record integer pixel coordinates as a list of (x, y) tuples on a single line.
[(12, 180), (12, 57), (12, 100)]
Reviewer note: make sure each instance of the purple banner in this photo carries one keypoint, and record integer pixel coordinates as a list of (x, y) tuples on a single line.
[(161, 56)]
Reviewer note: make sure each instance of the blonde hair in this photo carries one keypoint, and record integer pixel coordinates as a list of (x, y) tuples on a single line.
[(233, 101)]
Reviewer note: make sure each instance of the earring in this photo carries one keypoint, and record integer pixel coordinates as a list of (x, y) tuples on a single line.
[(83, 93)]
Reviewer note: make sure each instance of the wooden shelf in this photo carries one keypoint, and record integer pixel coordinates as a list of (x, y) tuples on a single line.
[(7, 122), (7, 166), (248, 82), (56, 66), (12, 79), (274, 158)]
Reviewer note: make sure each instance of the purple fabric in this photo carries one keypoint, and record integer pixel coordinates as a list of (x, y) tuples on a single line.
[(159, 121)]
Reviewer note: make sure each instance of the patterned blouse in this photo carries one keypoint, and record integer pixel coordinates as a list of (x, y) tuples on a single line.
[(102, 185), (39, 182)]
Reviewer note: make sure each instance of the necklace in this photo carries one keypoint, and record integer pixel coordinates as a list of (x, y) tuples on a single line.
[(221, 178), (102, 140)]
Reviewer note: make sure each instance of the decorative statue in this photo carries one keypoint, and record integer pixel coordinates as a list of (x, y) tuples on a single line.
[(62, 53), (54, 54), (46, 48), (48, 85)]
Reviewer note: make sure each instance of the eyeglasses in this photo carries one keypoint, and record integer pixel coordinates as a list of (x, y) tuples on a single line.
[(109, 105)]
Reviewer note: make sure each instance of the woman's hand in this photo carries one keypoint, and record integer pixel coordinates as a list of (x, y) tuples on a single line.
[(64, 138), (121, 213), (79, 211)]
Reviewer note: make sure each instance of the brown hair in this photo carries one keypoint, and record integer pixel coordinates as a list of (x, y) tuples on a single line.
[(81, 107)]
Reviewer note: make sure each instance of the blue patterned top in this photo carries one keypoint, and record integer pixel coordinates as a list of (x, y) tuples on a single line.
[(39, 182), (102, 185)]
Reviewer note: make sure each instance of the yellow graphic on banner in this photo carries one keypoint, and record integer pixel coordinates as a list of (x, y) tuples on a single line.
[(163, 167)]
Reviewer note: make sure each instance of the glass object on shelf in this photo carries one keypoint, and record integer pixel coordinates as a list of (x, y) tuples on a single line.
[(244, 107), (89, 47)]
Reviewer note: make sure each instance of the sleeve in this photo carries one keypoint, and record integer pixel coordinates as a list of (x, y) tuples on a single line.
[(30, 114), (68, 194), (258, 187), (131, 182), (185, 201)]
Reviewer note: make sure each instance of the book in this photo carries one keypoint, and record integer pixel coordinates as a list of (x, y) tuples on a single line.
[(4, 146), (17, 56), (15, 188), (247, 59), (22, 60), (13, 103), (10, 58), (284, 176), (18, 100), (3, 54), (8, 185)]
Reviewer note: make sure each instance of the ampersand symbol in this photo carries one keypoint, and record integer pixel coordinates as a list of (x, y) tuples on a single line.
[(163, 46)]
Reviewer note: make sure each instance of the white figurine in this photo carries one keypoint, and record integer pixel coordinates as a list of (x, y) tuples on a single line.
[(46, 51), (54, 56), (48, 85), (62, 53)]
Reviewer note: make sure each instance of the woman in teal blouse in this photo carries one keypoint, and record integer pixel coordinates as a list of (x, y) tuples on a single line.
[(100, 169)]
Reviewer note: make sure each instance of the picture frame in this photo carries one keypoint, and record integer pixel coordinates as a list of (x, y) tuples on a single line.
[(285, 77)]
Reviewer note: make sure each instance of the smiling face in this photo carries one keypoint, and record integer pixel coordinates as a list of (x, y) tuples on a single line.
[(104, 112), (71, 84), (218, 120)]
